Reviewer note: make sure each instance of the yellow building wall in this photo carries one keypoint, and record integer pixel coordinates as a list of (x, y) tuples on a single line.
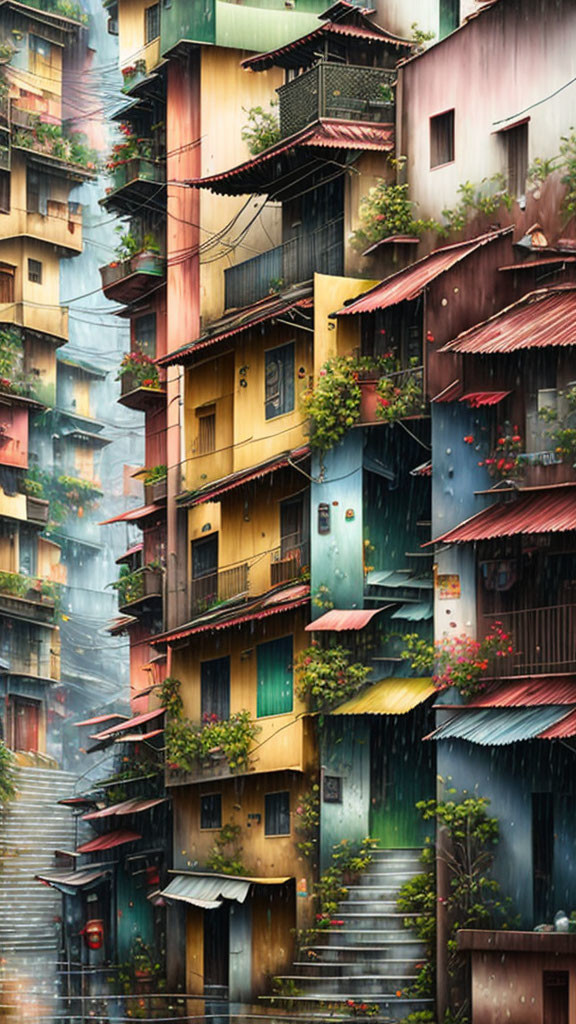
[(335, 336), (131, 35), (210, 383), (282, 741), (49, 564), (82, 392), (36, 306), (37, 88), (222, 148), (9, 553), (371, 168), (13, 506), (56, 227)]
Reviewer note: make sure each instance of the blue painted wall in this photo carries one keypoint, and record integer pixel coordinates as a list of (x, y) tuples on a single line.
[(345, 752)]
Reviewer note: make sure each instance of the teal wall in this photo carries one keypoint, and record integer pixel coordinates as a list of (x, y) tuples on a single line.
[(135, 914), (258, 26), (345, 751), (336, 557)]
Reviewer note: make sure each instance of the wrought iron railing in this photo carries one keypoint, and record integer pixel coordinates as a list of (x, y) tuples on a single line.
[(138, 169), (214, 588), (542, 639), (345, 92), (320, 251)]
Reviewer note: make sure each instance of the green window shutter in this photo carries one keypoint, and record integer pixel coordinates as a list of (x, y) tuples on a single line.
[(275, 682)]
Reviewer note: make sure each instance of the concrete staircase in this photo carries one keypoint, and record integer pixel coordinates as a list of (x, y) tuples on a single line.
[(370, 958)]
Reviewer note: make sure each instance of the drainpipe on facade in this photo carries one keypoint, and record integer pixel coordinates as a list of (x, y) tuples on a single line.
[(442, 931)]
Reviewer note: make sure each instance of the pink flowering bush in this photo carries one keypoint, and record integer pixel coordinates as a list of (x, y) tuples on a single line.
[(458, 661), (326, 677), (141, 368)]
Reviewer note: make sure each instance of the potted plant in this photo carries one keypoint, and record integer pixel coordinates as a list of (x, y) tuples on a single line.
[(155, 484)]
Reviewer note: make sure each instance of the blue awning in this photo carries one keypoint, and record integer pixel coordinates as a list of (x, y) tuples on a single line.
[(414, 612), (500, 726)]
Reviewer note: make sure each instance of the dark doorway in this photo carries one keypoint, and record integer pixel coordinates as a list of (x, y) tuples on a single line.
[(542, 854), (402, 772), (216, 952), (555, 997), (215, 688)]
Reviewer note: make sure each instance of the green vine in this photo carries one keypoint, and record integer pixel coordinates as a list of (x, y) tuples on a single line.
[(458, 661), (6, 774), (486, 198), (348, 862), (307, 821), (262, 128), (225, 857), (189, 745), (326, 677), (386, 210)]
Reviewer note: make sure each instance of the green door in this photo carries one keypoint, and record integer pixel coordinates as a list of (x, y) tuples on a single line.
[(402, 772)]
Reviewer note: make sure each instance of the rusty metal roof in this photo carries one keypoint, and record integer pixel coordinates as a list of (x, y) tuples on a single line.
[(542, 319), (388, 697), (303, 51), (135, 514), (109, 840), (134, 806), (562, 729), (71, 881), (129, 724), (100, 718), (548, 511), (241, 320), (214, 490), (266, 173), (476, 399), (544, 261), (524, 693), (286, 601), (339, 620), (409, 283)]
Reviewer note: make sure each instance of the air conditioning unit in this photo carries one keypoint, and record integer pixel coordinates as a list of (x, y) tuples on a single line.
[(113, 26)]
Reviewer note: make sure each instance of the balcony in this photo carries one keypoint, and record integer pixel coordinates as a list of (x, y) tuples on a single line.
[(131, 279), (320, 251), (134, 182), (217, 587), (136, 395), (137, 589), (289, 560), (344, 92), (27, 597), (37, 509), (49, 321), (543, 639)]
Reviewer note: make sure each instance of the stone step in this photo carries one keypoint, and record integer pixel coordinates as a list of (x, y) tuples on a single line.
[(391, 921), (397, 1008), (406, 946), (372, 892), (375, 984), (398, 853)]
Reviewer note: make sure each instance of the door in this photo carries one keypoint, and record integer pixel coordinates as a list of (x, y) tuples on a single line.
[(26, 721), (204, 572), (216, 952), (402, 771), (542, 855), (555, 997)]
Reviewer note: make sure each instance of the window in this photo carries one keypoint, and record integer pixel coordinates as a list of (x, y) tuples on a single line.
[(4, 190), (279, 380), (205, 556), (332, 789), (37, 192), (35, 271), (152, 23), (145, 334), (275, 685), (39, 53), (516, 140), (449, 17), (211, 811), (6, 283), (206, 441), (215, 688), (277, 814), (442, 139)]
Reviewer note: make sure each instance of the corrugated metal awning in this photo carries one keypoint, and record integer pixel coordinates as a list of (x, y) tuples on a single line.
[(134, 514), (339, 620), (542, 319), (550, 511), (389, 697), (476, 399), (409, 283), (214, 490), (208, 891), (522, 693), (129, 724), (101, 718), (417, 611), (242, 320), (267, 172), (134, 806), (501, 726), (284, 601), (137, 737), (109, 841), (70, 882)]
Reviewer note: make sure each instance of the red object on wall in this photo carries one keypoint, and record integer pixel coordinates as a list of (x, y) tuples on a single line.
[(94, 933)]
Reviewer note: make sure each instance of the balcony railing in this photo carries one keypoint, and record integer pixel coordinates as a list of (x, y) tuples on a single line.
[(214, 588), (130, 279), (138, 169), (294, 261), (288, 561), (341, 91), (543, 640)]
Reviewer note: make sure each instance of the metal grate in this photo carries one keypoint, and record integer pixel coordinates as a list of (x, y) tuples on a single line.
[(345, 92)]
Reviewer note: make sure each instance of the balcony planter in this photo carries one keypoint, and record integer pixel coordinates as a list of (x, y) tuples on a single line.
[(37, 509), (369, 399), (152, 583), (156, 492)]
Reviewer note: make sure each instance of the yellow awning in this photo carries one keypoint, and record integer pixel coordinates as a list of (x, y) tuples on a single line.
[(388, 697)]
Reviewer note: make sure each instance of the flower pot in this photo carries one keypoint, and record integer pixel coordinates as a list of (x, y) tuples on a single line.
[(152, 580), (369, 401)]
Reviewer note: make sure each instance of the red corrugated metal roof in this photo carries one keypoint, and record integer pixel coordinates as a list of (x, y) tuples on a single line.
[(242, 320), (543, 262), (135, 513), (137, 737), (237, 620), (325, 133), (542, 319), (129, 724), (339, 620), (109, 841), (285, 56), (450, 393), (99, 718), (476, 399), (525, 693), (561, 730), (131, 551), (133, 806), (409, 283), (212, 491), (550, 511)]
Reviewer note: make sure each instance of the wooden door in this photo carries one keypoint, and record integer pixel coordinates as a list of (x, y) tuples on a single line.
[(216, 952), (26, 721), (555, 997)]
